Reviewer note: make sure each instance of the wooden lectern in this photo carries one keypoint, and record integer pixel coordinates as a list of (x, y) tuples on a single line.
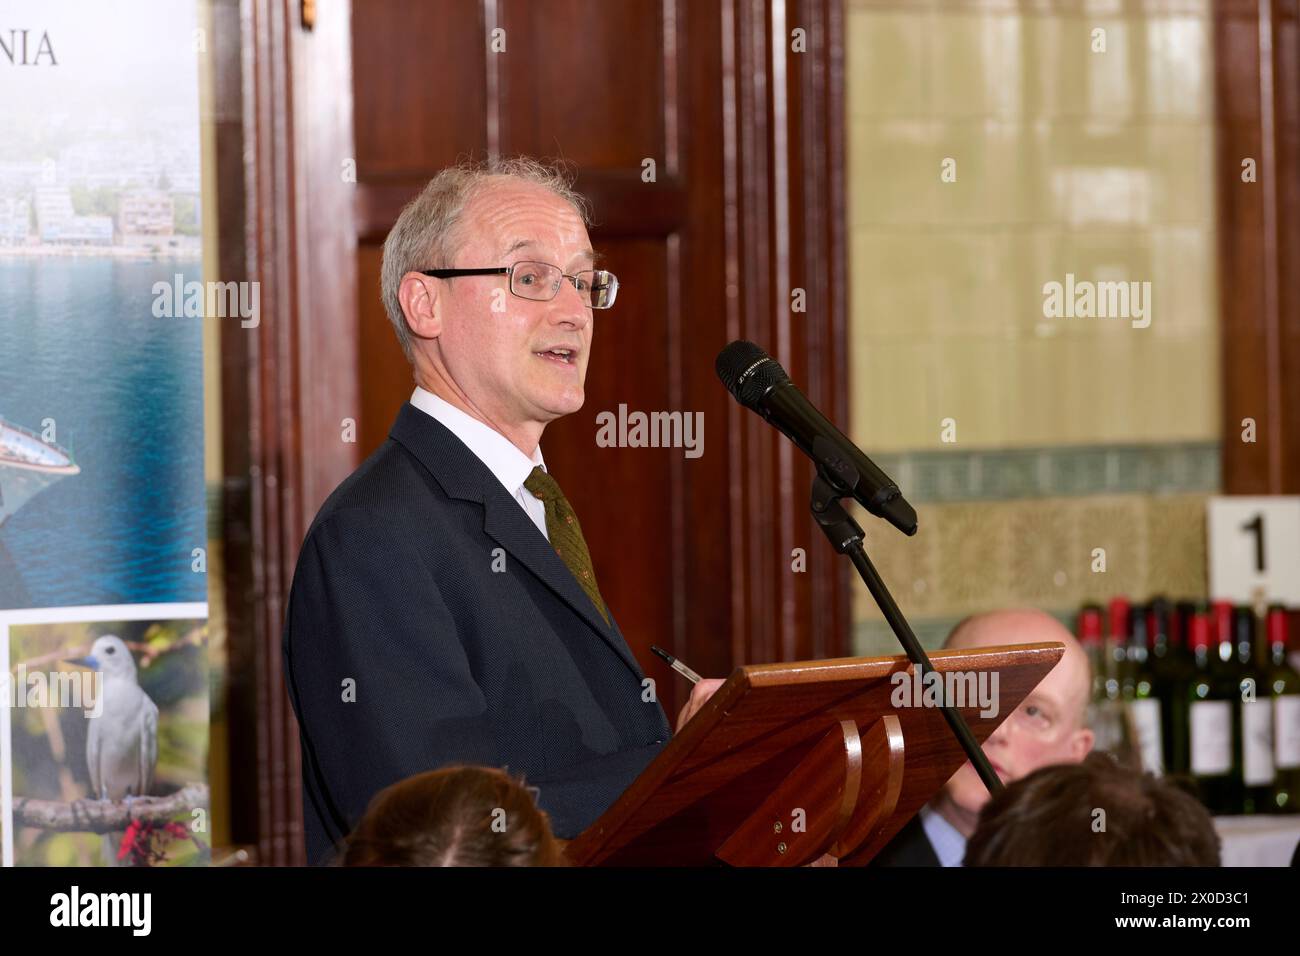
[(788, 764)]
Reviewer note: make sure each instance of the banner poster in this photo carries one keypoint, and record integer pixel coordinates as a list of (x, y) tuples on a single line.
[(104, 678)]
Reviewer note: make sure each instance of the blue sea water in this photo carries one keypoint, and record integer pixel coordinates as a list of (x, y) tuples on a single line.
[(79, 344)]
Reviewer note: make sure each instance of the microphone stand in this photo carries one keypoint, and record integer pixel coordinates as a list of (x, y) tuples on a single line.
[(831, 484)]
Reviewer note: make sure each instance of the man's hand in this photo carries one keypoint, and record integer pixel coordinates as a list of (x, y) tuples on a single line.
[(699, 694)]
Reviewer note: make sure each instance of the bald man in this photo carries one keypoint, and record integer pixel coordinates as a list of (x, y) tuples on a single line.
[(1049, 727)]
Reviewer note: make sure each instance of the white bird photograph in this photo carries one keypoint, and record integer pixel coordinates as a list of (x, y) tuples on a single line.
[(110, 726)]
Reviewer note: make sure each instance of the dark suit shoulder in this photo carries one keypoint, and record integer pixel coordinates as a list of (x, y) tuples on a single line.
[(909, 847), (386, 484)]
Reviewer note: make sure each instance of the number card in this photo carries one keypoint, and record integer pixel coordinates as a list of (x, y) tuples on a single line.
[(1254, 546)]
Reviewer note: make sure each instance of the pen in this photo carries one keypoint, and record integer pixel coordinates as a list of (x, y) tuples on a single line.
[(676, 665)]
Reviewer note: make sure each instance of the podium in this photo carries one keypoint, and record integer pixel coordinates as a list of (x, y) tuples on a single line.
[(791, 764)]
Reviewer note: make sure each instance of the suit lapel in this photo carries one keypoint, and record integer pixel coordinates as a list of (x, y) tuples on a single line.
[(507, 524), (462, 475)]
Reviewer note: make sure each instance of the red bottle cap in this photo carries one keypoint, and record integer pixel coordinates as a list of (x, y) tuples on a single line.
[(1090, 625), (1199, 633), (1277, 626), (1222, 611), (1119, 619)]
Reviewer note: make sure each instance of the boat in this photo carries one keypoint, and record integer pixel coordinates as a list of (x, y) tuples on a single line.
[(28, 465)]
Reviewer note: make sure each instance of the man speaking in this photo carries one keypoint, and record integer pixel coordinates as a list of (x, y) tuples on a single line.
[(444, 608)]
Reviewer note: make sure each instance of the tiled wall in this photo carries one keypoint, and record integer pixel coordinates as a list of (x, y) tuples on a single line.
[(1068, 431), (977, 556)]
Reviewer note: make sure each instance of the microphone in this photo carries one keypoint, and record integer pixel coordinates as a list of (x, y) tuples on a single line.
[(759, 383)]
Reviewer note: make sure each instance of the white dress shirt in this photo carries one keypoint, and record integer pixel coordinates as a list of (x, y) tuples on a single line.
[(510, 465), (949, 845)]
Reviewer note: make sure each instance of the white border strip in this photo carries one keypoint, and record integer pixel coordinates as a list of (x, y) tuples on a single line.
[(106, 612)]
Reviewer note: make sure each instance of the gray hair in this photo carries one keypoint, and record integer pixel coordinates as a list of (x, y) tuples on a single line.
[(424, 236)]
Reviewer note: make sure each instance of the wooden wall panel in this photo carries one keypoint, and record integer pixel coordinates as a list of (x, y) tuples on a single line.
[(380, 358), (599, 105), (1286, 130), (425, 82), (288, 383), (1257, 94)]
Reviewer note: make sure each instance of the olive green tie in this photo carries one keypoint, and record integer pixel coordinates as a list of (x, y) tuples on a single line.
[(566, 534)]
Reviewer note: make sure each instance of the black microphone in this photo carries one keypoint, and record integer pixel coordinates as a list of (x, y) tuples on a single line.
[(759, 383)]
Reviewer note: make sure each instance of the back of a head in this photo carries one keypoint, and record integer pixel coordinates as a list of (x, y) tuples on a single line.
[(455, 816), (1094, 813)]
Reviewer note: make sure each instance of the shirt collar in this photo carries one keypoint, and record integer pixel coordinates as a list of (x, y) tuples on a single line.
[(949, 845), (510, 465)]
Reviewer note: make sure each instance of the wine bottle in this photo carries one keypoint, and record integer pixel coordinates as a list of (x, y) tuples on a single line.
[(1221, 616), (1101, 714), (1210, 725), (1285, 685), (1125, 746), (1117, 614), (1158, 619), (1088, 631), (1172, 669), (1141, 708), (1255, 717)]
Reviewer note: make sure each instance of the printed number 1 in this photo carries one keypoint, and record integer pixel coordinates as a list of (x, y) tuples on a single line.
[(1256, 527)]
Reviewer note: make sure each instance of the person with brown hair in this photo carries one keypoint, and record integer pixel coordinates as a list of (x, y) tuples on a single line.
[(455, 816), (1094, 813)]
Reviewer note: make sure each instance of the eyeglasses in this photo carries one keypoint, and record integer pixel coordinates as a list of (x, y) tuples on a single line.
[(540, 281)]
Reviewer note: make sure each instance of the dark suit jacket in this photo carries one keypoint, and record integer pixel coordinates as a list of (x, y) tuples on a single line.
[(909, 847), (453, 661)]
